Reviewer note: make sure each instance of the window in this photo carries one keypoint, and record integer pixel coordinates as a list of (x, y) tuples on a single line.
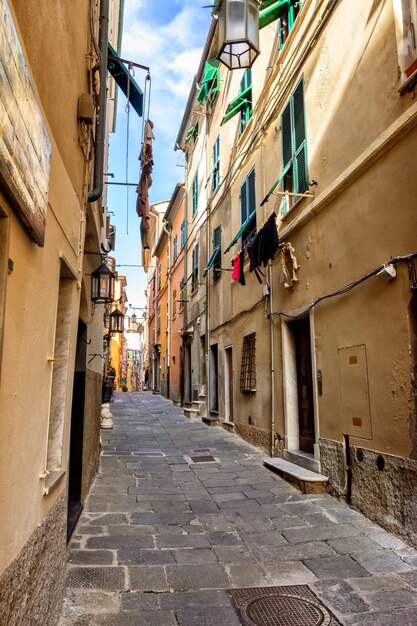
[(294, 147), (175, 246), (216, 165), (158, 325), (405, 12), (248, 206), (192, 134), (210, 83), (242, 104), (183, 294), (215, 259), (195, 194), (217, 244), (182, 234), (194, 273), (248, 366), (174, 303), (159, 275), (285, 11)]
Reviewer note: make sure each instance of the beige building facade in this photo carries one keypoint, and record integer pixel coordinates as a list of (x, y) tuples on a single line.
[(315, 362), (51, 235)]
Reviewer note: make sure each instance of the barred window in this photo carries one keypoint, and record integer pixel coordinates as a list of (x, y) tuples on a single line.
[(248, 367)]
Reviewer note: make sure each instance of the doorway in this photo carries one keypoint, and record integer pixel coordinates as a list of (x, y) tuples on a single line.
[(77, 430), (214, 378), (302, 343), (188, 373), (229, 413)]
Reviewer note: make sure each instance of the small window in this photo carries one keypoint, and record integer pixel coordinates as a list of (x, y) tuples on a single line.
[(285, 11), (248, 366), (174, 303), (195, 194), (246, 88), (182, 234), (216, 165), (194, 273), (159, 275), (175, 247), (183, 294), (158, 326), (248, 206), (217, 244)]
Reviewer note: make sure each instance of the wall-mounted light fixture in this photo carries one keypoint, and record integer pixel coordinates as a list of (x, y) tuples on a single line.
[(102, 284), (238, 32), (116, 321)]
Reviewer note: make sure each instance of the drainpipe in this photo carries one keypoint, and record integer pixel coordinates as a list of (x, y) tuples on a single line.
[(168, 232), (271, 327), (97, 191), (185, 290)]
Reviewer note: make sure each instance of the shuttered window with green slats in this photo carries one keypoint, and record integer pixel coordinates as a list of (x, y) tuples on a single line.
[(248, 206), (294, 146), (215, 173), (285, 11), (195, 195), (243, 103), (210, 83)]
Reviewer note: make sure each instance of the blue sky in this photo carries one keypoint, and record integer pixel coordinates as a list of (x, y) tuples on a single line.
[(168, 36)]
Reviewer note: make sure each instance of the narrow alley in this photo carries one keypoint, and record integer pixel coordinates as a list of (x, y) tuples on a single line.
[(184, 524)]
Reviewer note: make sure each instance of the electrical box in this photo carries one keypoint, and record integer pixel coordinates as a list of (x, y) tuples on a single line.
[(86, 108), (354, 392)]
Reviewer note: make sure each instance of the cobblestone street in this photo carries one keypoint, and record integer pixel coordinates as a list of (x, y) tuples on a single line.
[(162, 539)]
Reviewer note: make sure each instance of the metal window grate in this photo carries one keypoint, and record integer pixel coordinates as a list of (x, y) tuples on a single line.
[(248, 366)]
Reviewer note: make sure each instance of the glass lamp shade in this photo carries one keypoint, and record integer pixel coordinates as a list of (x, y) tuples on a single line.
[(238, 32), (116, 321), (102, 285), (133, 323)]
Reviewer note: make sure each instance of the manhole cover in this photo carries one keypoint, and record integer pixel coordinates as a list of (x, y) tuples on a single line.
[(294, 605), (204, 458), (284, 611)]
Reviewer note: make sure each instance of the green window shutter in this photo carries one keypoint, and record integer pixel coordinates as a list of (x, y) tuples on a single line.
[(217, 244), (286, 130), (244, 202), (192, 133), (250, 223), (243, 100), (271, 11), (299, 116), (214, 255), (211, 80), (195, 194), (301, 174)]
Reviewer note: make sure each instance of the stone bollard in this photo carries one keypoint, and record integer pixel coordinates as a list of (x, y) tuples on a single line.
[(106, 420)]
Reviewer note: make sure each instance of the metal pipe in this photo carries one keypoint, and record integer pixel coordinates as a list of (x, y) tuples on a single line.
[(272, 334), (168, 232), (97, 191)]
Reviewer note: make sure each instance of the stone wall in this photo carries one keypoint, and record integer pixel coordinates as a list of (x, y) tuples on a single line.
[(333, 465), (32, 587), (384, 488), (254, 435)]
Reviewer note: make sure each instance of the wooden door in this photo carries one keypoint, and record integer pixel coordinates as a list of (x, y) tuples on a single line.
[(302, 338), (229, 382)]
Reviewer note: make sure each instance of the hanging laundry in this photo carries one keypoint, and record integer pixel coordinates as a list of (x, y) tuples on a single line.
[(237, 271), (264, 246), (145, 182)]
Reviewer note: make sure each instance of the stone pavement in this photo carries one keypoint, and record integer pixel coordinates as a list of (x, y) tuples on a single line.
[(162, 539)]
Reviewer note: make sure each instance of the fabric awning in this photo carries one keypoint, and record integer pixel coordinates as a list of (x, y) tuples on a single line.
[(238, 104), (211, 80), (241, 230), (122, 77), (271, 10), (212, 259)]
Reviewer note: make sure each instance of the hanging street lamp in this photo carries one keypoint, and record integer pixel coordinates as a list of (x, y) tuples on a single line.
[(116, 321), (238, 32), (133, 323), (102, 284)]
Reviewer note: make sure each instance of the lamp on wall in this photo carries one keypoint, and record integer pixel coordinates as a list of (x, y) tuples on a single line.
[(116, 321), (238, 32), (102, 284)]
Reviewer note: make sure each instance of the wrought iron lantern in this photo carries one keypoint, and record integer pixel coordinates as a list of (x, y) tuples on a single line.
[(238, 31), (102, 284), (116, 321)]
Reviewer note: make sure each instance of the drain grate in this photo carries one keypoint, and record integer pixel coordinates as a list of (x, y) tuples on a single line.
[(203, 458), (281, 606)]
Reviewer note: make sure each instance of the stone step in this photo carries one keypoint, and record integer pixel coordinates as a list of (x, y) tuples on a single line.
[(306, 480), (192, 414), (210, 421), (299, 457)]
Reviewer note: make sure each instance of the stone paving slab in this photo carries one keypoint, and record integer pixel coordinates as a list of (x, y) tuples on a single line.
[(161, 540)]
